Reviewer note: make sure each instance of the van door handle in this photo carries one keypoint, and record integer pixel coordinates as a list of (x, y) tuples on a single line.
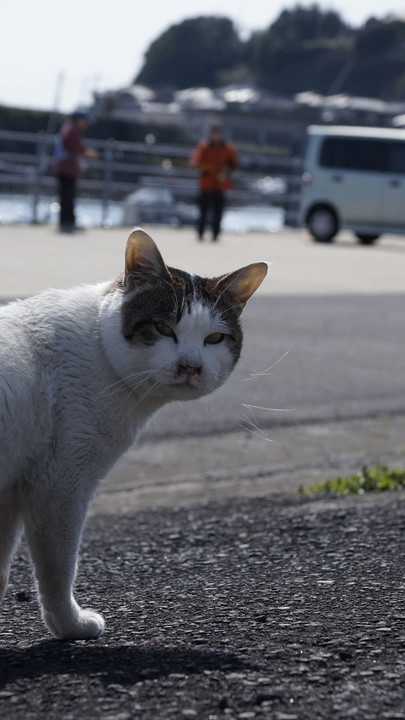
[(337, 178), (395, 183)]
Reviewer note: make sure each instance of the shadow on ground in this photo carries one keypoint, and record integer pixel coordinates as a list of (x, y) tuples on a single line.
[(124, 664)]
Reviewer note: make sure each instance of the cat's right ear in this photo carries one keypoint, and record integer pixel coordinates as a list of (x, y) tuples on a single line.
[(240, 285), (142, 258)]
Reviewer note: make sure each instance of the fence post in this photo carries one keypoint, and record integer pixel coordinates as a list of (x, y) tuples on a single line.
[(108, 158), (40, 167)]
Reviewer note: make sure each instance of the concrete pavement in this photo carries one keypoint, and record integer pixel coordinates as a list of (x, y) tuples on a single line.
[(34, 258), (222, 465), (199, 470)]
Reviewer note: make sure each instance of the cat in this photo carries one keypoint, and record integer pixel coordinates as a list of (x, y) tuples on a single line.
[(81, 373)]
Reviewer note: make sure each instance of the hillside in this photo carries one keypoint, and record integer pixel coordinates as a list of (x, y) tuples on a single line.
[(304, 49)]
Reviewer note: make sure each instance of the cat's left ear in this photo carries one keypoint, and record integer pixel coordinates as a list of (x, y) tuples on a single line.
[(142, 257), (241, 284)]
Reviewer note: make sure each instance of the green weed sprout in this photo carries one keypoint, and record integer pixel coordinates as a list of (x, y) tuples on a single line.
[(375, 479)]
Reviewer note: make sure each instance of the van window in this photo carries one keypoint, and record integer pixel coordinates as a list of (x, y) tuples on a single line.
[(397, 157), (354, 154)]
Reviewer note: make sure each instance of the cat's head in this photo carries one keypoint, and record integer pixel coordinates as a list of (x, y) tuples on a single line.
[(180, 333)]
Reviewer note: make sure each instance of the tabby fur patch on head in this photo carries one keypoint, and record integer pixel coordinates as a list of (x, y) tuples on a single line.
[(160, 301), (182, 326)]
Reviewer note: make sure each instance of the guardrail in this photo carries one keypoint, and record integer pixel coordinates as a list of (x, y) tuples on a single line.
[(26, 165)]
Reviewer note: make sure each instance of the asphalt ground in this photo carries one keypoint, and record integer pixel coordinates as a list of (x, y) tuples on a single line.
[(225, 593), (281, 607)]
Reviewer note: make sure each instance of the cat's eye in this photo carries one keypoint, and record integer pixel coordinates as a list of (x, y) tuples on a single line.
[(214, 338), (164, 330)]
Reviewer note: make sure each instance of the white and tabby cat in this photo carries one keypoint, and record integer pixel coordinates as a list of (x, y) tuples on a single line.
[(81, 372)]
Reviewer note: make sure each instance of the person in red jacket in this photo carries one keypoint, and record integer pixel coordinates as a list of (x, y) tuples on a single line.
[(69, 150), (216, 159)]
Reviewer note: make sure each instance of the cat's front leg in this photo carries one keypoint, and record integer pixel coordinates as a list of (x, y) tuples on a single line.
[(10, 525), (53, 529)]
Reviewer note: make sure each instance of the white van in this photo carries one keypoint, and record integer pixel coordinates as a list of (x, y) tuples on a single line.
[(354, 178)]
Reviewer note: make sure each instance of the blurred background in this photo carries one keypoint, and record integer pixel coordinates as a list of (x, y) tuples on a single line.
[(152, 80)]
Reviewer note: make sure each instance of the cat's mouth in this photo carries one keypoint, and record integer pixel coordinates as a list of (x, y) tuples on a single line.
[(188, 374), (186, 381)]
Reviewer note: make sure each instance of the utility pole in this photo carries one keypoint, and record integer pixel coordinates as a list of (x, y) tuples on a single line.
[(43, 138)]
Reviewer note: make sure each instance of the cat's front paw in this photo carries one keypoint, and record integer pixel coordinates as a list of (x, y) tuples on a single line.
[(85, 625), (90, 625)]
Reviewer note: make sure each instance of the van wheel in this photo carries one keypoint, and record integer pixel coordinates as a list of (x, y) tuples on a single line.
[(322, 224), (366, 239)]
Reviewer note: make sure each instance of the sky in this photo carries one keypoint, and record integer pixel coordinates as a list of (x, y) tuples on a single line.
[(54, 54)]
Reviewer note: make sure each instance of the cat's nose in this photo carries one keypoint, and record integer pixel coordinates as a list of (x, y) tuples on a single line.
[(189, 368)]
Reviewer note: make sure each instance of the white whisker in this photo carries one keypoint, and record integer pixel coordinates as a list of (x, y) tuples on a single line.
[(247, 424), (267, 371), (270, 409), (260, 435), (226, 288), (123, 382), (229, 309), (150, 390)]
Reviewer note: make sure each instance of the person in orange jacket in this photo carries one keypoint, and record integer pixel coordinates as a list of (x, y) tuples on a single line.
[(216, 159)]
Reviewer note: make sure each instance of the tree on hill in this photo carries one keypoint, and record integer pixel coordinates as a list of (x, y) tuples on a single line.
[(294, 32), (306, 48), (302, 25), (192, 53), (378, 37), (204, 50)]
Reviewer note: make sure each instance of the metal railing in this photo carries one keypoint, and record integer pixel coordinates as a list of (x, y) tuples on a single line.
[(26, 165)]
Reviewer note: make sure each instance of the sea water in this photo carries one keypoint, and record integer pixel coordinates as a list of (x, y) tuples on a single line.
[(19, 208)]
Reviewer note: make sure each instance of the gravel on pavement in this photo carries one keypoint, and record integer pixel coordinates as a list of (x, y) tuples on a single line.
[(283, 607)]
